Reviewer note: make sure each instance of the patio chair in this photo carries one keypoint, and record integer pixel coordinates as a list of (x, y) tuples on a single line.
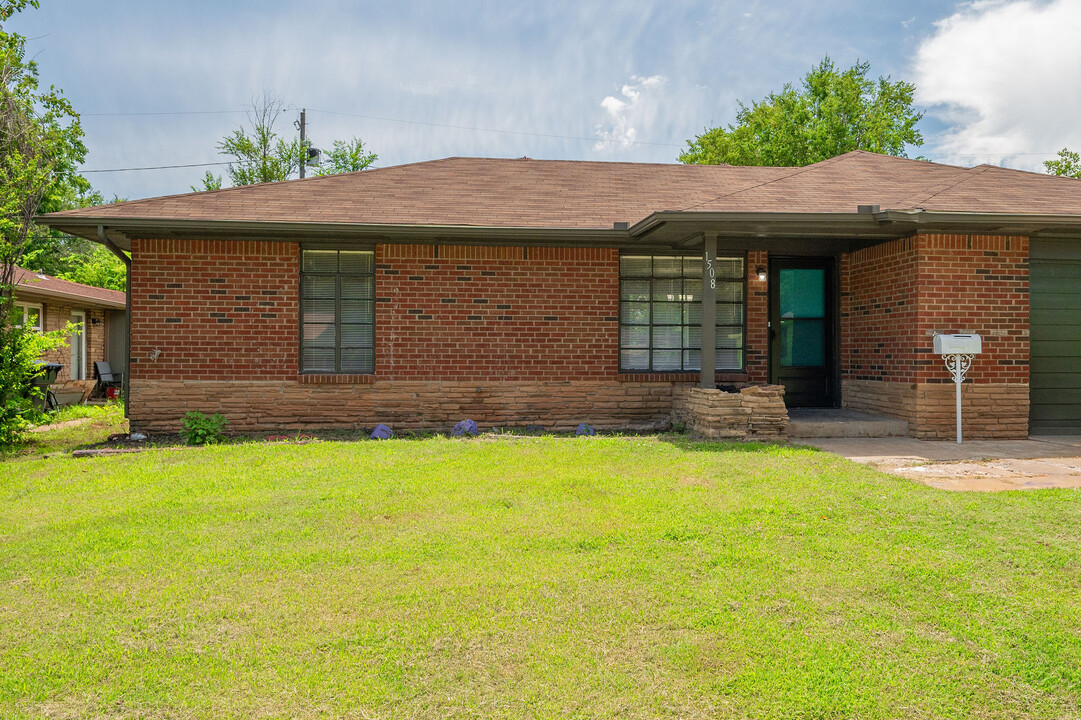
[(106, 379)]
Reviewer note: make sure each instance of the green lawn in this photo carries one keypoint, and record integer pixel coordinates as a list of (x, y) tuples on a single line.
[(528, 577)]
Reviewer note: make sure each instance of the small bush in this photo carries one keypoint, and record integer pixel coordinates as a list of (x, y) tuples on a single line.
[(200, 429), (20, 349)]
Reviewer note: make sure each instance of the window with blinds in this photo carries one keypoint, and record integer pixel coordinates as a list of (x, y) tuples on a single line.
[(660, 313), (337, 311)]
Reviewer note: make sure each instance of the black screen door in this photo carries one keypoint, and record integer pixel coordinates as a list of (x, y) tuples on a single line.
[(801, 330)]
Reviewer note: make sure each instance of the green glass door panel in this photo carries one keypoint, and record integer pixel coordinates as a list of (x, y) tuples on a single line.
[(803, 293), (801, 304), (803, 343)]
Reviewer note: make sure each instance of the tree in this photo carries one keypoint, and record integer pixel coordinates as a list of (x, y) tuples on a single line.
[(210, 182), (40, 147), (260, 155), (833, 112), (1068, 164), (346, 156)]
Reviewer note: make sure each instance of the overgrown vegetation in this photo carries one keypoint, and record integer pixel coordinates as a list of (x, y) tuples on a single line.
[(20, 398), (528, 577)]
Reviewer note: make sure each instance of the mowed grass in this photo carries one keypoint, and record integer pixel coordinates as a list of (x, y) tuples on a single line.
[(528, 577)]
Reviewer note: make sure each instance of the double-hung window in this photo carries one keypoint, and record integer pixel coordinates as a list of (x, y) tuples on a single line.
[(660, 313), (337, 311)]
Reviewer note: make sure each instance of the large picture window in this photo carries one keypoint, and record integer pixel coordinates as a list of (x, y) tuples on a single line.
[(660, 313), (337, 311)]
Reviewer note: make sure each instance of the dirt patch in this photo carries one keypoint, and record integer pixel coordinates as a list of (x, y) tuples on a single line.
[(61, 425), (992, 475)]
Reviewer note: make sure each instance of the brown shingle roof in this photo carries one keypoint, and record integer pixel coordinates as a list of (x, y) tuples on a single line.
[(529, 193), (29, 283)]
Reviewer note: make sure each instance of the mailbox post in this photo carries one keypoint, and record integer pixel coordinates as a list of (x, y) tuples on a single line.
[(957, 351)]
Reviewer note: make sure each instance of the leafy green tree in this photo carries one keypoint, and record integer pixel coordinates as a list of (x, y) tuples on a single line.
[(210, 182), (40, 147), (833, 112), (346, 156), (260, 154), (100, 268), (1068, 164)]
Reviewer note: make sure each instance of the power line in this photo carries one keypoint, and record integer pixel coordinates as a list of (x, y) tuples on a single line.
[(496, 130), (124, 170), (176, 112)]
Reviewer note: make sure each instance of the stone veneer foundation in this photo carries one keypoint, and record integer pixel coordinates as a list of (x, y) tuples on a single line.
[(253, 405)]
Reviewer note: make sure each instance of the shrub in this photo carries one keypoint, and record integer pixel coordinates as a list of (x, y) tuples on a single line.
[(20, 349), (200, 429)]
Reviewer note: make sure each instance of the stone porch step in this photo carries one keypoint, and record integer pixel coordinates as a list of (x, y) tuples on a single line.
[(836, 423)]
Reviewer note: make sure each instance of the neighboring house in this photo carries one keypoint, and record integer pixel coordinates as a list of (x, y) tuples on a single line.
[(541, 292), (47, 303)]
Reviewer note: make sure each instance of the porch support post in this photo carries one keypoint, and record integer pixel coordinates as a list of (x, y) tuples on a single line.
[(709, 311)]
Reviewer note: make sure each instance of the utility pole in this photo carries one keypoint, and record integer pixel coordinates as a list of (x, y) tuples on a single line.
[(303, 144)]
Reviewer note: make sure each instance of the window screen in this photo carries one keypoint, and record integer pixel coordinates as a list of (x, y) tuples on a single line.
[(337, 311), (660, 313)]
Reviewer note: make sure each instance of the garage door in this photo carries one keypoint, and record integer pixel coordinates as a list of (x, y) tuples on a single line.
[(1055, 324)]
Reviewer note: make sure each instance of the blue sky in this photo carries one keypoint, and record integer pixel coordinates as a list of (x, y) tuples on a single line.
[(998, 79)]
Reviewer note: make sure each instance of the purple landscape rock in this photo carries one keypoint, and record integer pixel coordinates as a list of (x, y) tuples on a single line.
[(465, 427), (382, 432)]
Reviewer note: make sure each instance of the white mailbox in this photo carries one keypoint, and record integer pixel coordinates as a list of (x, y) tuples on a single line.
[(957, 352), (958, 344)]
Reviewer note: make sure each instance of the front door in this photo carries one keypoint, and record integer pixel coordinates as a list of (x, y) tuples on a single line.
[(801, 330)]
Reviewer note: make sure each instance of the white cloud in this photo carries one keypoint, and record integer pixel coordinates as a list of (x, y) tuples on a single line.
[(1004, 77), (637, 108)]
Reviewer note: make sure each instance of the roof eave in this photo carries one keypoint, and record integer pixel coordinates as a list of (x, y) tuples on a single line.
[(122, 230), (29, 292)]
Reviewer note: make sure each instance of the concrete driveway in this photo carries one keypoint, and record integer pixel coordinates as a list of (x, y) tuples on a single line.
[(982, 465)]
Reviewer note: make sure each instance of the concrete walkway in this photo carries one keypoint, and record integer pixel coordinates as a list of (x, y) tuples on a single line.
[(984, 465)]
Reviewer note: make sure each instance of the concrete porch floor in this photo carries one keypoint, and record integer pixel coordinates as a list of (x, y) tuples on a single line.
[(842, 423), (1046, 461)]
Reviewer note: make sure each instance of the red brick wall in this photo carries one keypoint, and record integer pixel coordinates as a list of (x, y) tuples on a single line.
[(757, 347), (975, 284), (215, 310), (496, 313), (879, 323), (225, 310), (896, 295)]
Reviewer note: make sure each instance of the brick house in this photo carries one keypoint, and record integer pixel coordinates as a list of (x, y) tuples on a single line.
[(556, 292), (48, 303)]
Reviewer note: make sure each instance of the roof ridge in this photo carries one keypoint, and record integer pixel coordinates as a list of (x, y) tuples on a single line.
[(963, 176), (795, 171)]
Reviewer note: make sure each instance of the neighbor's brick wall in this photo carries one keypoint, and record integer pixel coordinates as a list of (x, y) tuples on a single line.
[(214, 309), (897, 295), (57, 316), (509, 313)]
